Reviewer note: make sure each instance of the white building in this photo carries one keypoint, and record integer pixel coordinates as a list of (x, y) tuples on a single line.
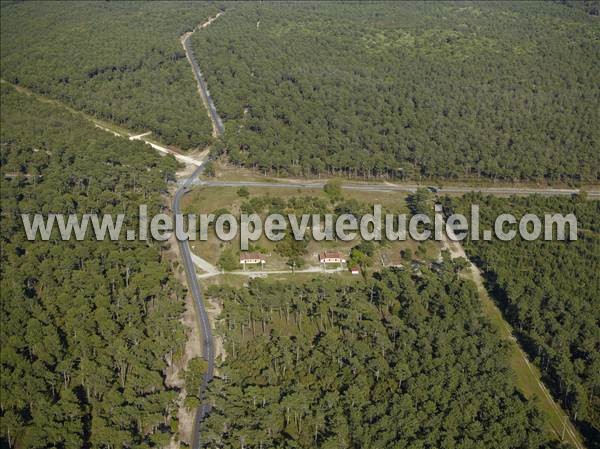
[(331, 257), (251, 259)]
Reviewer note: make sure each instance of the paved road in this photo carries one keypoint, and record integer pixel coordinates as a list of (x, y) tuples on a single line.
[(266, 273), (207, 338), (411, 188), (194, 287), (218, 128)]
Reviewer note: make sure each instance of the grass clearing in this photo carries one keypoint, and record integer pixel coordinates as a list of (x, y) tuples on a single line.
[(205, 200)]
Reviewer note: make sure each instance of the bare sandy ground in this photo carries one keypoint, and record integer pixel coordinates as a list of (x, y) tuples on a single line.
[(214, 310)]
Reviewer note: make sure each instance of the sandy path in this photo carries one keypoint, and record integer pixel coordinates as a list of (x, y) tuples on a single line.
[(456, 250), (204, 265)]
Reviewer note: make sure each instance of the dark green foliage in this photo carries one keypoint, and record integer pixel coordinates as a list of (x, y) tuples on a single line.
[(362, 255), (243, 192), (295, 263), (333, 188), (292, 248), (550, 292), (422, 202), (407, 254), (353, 207), (194, 374), (87, 327), (399, 362), (228, 261), (121, 61), (394, 89), (209, 169)]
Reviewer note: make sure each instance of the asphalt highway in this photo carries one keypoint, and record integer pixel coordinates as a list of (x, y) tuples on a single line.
[(218, 128), (410, 188), (184, 246), (196, 292)]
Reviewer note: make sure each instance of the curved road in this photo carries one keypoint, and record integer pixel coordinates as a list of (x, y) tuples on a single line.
[(184, 245), (207, 339)]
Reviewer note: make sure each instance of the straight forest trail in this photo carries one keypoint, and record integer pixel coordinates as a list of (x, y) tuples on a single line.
[(528, 377)]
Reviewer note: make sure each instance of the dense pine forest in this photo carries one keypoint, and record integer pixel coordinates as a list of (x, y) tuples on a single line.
[(550, 292), (398, 90), (87, 327), (399, 361), (398, 358), (506, 90), (120, 61)]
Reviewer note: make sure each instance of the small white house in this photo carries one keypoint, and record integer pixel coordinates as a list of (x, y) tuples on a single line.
[(331, 257), (251, 259)]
